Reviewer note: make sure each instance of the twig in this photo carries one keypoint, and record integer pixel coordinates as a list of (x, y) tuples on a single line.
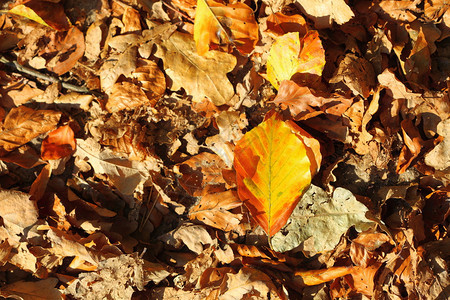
[(34, 73)]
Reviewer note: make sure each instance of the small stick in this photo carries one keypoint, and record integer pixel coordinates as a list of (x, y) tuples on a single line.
[(34, 73)]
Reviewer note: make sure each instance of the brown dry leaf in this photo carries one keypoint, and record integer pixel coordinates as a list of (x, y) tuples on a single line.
[(24, 156), (194, 270), (324, 12), (301, 101), (394, 86), (115, 278), (279, 24), (399, 10), (246, 283), (32, 290), (195, 237), (18, 212), (413, 145), (356, 73), (200, 171), (131, 20), (200, 76), (16, 93), (22, 124), (224, 24), (213, 210), (125, 95), (70, 49), (362, 279), (39, 186), (150, 78), (418, 64), (361, 249), (120, 64)]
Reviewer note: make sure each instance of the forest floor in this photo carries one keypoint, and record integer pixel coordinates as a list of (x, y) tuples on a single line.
[(182, 149)]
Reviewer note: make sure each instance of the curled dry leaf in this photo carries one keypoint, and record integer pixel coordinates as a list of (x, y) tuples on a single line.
[(39, 186), (213, 210), (150, 78), (290, 55), (32, 290), (44, 12), (22, 124), (413, 145), (59, 143), (272, 171), (200, 76), (224, 24), (279, 24), (315, 277)]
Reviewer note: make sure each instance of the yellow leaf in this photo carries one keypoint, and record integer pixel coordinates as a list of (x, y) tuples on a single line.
[(273, 170), (224, 25), (45, 13), (290, 55)]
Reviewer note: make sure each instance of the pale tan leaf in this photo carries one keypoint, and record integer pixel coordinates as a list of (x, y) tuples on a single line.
[(324, 12), (32, 290), (22, 124)]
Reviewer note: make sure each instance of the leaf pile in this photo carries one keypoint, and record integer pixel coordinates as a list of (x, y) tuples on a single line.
[(219, 149)]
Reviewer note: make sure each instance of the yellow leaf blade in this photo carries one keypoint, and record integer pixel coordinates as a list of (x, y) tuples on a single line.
[(273, 170)]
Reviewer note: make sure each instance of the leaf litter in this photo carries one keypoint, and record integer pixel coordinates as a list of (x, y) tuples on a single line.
[(147, 149)]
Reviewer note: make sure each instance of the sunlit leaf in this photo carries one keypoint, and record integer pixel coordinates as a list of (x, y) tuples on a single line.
[(273, 170), (314, 277), (59, 143), (221, 24), (290, 55), (43, 12)]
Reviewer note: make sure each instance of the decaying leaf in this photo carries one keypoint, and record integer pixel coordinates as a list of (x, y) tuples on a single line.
[(224, 24), (290, 55), (32, 290), (320, 220), (125, 95), (213, 210), (200, 76), (22, 124), (315, 277), (273, 170), (324, 12)]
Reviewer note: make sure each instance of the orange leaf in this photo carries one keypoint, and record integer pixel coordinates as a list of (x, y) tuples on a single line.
[(43, 12), (59, 143), (280, 24), (220, 24), (290, 55), (272, 170), (314, 277)]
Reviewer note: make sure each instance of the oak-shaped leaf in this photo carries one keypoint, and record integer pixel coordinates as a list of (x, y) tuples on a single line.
[(224, 24), (200, 76), (291, 54), (273, 169), (22, 124)]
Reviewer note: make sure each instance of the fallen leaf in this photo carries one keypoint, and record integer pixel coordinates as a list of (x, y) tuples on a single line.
[(399, 10), (39, 186), (200, 76), (150, 78), (22, 124), (418, 64), (315, 277), (324, 12), (120, 64), (248, 281), (32, 290), (59, 143), (43, 12), (413, 145), (127, 176), (125, 95), (213, 210), (363, 278), (224, 24), (290, 55), (280, 24), (273, 170), (321, 220), (195, 237)]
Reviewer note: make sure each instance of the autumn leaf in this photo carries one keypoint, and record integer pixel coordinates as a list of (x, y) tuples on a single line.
[(59, 143), (279, 24), (224, 24), (22, 124), (324, 12), (213, 210), (32, 290), (273, 170), (290, 55), (199, 75), (314, 277), (43, 12)]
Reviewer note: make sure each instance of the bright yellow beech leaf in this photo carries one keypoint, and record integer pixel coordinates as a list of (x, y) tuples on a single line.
[(224, 25), (43, 12), (290, 55), (273, 170)]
